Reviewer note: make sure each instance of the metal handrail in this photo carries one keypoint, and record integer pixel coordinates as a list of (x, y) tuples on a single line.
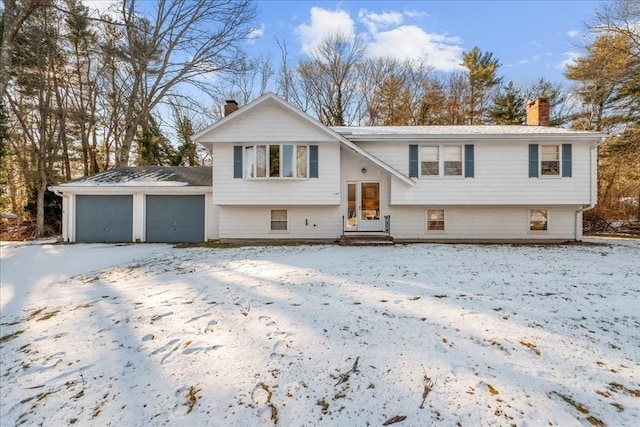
[(387, 224)]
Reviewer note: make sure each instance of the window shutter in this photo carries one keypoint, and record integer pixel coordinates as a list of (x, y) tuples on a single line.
[(533, 160), (237, 161), (413, 161), (313, 161), (566, 160), (468, 161)]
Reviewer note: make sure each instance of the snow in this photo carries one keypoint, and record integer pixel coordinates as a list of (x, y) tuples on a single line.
[(141, 334)]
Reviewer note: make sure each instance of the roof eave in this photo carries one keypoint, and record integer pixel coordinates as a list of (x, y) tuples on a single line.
[(421, 137)]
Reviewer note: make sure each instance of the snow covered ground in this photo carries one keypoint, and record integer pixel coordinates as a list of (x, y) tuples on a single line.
[(411, 335)]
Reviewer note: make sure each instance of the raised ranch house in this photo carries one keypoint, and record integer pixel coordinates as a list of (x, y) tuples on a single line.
[(280, 174)]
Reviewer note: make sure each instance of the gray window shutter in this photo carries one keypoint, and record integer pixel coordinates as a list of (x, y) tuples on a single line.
[(237, 161), (413, 161), (468, 161), (533, 160), (566, 160), (313, 161)]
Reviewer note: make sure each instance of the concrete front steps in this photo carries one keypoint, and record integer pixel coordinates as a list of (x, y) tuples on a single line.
[(366, 239)]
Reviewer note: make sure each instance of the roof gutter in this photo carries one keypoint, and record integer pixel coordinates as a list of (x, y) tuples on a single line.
[(56, 190), (470, 136)]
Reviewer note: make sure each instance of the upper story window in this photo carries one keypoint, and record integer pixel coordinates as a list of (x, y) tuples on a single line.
[(276, 161), (550, 160), (441, 161)]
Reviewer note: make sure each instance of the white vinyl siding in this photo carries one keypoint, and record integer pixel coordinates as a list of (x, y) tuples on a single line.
[(271, 124), (254, 222), (324, 190), (488, 223), (501, 177)]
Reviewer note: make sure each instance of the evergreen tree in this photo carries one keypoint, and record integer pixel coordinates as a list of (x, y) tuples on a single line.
[(154, 149), (481, 72), (509, 106)]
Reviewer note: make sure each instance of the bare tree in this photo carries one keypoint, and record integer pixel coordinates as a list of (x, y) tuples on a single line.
[(186, 44), (456, 88), (288, 82), (329, 78), (37, 104)]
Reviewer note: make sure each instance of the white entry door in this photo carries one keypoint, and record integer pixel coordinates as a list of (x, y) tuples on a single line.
[(363, 206)]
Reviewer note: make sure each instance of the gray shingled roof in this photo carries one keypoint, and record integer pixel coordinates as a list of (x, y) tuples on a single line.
[(148, 176), (347, 131)]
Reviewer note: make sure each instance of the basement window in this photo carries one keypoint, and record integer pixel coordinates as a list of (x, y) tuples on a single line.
[(279, 220), (538, 220), (435, 219)]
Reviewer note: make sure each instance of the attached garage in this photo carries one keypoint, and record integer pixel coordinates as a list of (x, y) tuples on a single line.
[(174, 218), (104, 218), (158, 204)]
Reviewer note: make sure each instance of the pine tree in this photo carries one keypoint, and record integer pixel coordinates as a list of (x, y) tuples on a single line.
[(481, 72), (509, 106)]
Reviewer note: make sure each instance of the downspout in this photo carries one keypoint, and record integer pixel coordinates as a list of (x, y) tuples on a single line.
[(593, 187)]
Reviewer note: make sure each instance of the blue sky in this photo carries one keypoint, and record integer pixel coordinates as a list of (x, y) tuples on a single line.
[(531, 39)]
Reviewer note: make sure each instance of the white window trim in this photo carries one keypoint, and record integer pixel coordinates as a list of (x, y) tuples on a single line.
[(245, 162), (529, 214), (441, 162), (285, 231), (426, 222), (559, 174)]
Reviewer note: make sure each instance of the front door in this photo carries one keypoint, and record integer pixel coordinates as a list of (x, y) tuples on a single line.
[(363, 206)]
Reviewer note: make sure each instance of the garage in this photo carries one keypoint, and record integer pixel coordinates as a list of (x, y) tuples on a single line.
[(104, 218), (175, 218), (159, 204)]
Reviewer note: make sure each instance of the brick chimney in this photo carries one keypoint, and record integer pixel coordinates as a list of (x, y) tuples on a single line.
[(538, 112), (230, 106)]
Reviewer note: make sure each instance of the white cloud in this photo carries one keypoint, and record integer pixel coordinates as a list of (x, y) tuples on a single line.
[(374, 21), (324, 22), (570, 59), (410, 42), (573, 33), (415, 14), (385, 36), (534, 58), (102, 7), (256, 33)]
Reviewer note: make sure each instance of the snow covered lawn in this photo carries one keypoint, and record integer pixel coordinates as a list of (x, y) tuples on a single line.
[(412, 335)]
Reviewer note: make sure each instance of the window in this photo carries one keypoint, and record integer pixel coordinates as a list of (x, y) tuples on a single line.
[(429, 164), (276, 161), (453, 161), (279, 220), (435, 220), (250, 162), (441, 161), (549, 160), (538, 220)]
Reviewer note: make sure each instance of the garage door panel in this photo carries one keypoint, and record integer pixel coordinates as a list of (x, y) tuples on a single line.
[(104, 218), (174, 218)]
